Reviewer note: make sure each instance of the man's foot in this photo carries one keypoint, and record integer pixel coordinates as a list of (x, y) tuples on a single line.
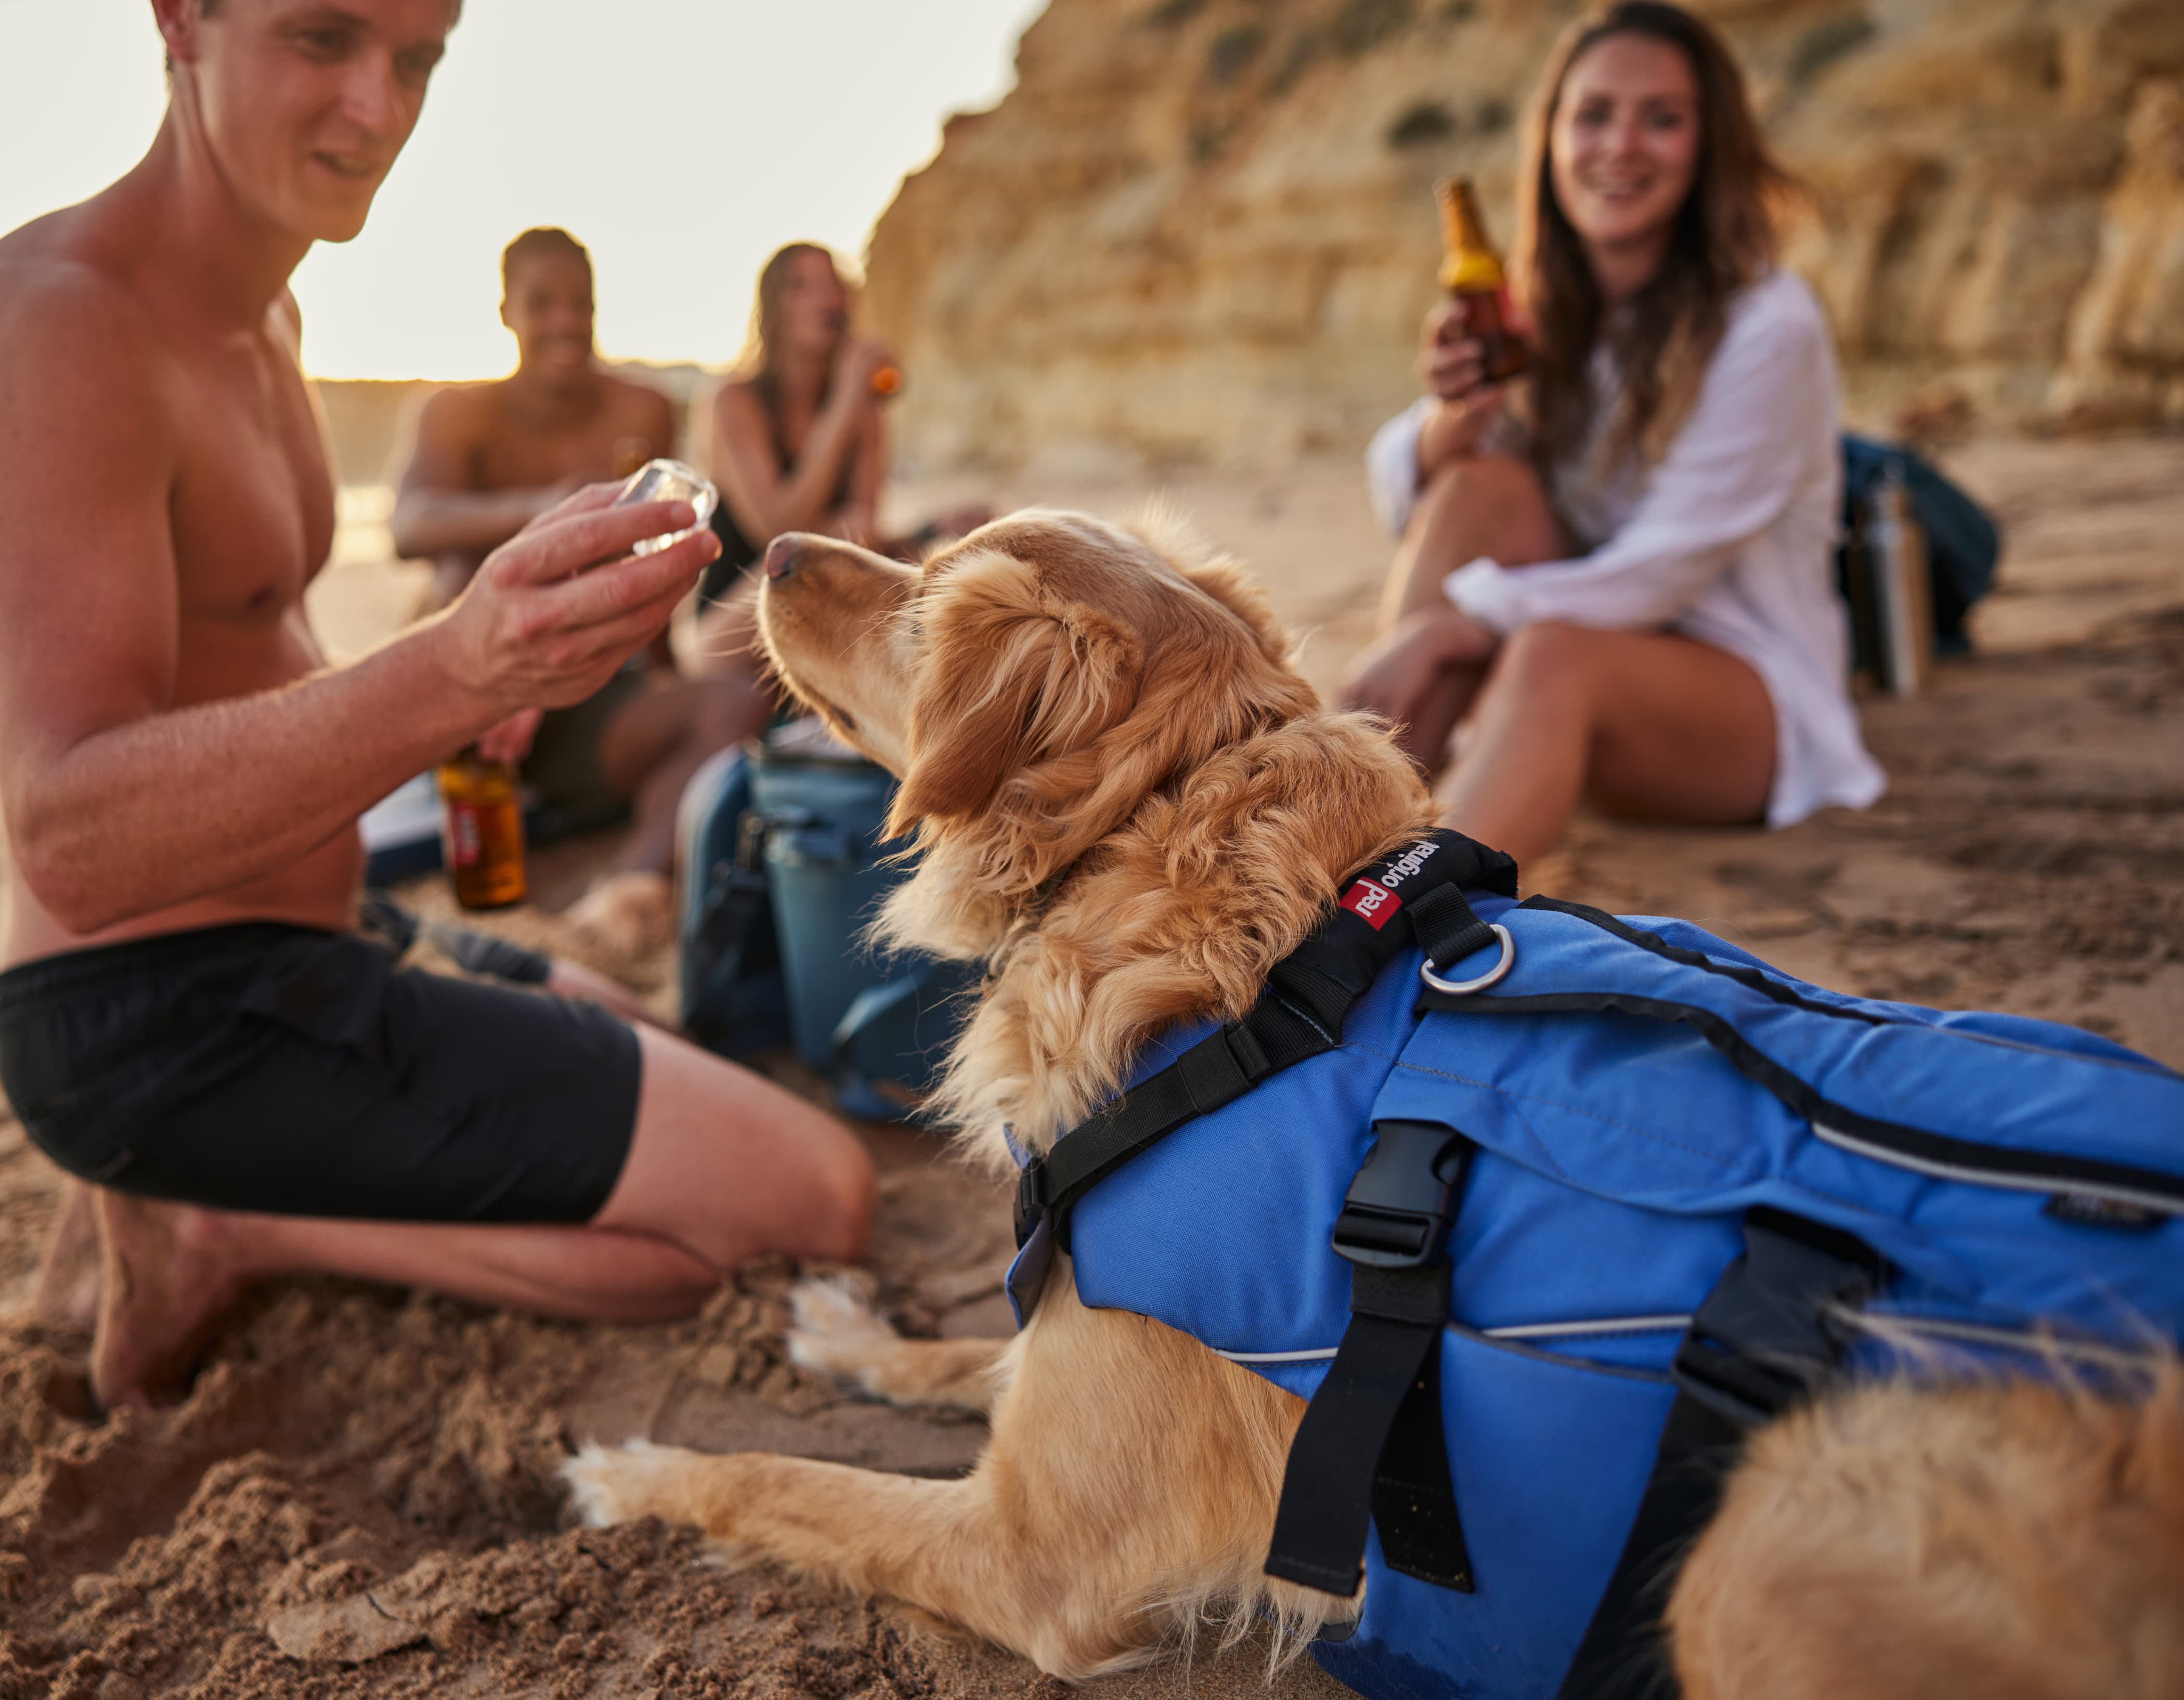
[(631, 912), (66, 1296), (169, 1276)]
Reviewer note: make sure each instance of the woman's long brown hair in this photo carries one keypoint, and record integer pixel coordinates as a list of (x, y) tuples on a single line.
[(760, 362), (1725, 239)]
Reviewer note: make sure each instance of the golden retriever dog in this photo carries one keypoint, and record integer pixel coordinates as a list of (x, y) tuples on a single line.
[(1129, 806)]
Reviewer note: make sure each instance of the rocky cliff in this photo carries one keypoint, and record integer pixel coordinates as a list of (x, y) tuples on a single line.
[(1201, 231)]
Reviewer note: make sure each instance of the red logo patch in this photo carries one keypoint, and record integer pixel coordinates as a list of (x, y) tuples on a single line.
[(1371, 902)]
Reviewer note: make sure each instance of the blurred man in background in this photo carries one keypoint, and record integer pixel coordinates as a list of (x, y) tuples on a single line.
[(487, 459)]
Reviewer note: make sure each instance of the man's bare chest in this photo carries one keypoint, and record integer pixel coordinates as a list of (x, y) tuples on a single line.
[(523, 452), (254, 500)]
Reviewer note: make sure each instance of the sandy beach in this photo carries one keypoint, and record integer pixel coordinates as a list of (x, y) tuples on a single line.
[(357, 1497)]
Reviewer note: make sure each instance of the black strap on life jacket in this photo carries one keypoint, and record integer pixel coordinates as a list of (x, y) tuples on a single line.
[(1371, 1447), (1414, 895), (1764, 1339)]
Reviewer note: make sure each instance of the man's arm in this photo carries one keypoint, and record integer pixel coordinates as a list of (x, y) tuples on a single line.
[(118, 802), (436, 510)]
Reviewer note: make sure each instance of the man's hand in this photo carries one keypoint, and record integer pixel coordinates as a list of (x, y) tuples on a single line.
[(555, 610), (1393, 677)]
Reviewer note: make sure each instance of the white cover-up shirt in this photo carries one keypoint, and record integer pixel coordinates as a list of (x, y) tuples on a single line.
[(1730, 539)]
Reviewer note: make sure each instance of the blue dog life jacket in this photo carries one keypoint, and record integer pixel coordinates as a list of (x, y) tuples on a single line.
[(1640, 1105)]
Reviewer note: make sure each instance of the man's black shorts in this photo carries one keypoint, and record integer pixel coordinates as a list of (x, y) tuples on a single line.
[(275, 1068)]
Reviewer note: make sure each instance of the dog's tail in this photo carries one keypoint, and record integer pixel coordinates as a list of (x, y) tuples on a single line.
[(2016, 1538)]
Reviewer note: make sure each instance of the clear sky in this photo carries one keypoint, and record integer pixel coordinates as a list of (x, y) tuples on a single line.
[(682, 141)]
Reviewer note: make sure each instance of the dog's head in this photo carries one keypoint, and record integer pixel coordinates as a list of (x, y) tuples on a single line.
[(1032, 684)]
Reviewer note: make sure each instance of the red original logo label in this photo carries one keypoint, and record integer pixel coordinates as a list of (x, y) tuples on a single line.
[(1371, 902)]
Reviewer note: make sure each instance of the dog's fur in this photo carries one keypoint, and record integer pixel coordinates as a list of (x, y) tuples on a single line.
[(1129, 806)]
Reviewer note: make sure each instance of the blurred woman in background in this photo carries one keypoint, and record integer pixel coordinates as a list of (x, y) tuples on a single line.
[(1621, 578), (799, 436)]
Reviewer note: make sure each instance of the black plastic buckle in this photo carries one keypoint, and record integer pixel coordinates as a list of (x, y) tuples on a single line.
[(1764, 1337), (1031, 1199), (1396, 1214)]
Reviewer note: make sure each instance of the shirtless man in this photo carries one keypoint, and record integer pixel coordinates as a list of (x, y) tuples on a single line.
[(185, 1018), (488, 459)]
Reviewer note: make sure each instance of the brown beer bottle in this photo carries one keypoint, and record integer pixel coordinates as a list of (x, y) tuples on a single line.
[(481, 832), (1472, 270)]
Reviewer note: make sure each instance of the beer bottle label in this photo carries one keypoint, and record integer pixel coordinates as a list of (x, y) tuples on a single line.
[(466, 839)]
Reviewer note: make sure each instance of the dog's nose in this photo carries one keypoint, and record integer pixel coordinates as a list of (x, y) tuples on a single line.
[(780, 554)]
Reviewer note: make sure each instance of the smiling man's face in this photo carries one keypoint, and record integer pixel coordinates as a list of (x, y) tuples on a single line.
[(548, 306), (305, 104)]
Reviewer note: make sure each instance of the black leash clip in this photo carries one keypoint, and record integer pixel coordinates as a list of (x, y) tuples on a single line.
[(1396, 1214)]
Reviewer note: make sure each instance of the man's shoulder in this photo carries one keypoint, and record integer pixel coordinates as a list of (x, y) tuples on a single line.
[(634, 395), (75, 312), (466, 410)]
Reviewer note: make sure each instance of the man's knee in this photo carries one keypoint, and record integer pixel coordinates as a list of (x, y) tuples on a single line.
[(843, 1226)]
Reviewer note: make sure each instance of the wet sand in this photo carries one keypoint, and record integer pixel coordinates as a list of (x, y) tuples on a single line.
[(357, 1497)]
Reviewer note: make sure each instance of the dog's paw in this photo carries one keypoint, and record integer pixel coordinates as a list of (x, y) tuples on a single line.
[(610, 1484), (837, 1332)]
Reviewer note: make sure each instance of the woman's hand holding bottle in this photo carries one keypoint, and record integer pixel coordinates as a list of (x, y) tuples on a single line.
[(857, 362), (1452, 365)]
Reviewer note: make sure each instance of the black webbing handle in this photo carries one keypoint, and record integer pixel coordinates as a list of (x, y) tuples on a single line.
[(1370, 1449), (1763, 1340)]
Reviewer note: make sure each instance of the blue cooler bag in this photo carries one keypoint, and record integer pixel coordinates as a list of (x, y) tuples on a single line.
[(787, 871), (1542, 1208)]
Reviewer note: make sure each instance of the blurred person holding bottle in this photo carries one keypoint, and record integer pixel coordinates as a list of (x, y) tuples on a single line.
[(799, 441), (1616, 572), (485, 459)]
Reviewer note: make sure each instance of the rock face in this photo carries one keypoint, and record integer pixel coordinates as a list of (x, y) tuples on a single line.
[(1201, 231)]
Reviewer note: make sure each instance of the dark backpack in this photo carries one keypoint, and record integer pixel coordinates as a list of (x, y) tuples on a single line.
[(1962, 541), (784, 865)]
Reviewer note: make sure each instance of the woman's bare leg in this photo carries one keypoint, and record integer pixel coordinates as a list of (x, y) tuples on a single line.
[(723, 1165), (1483, 504), (1646, 724), (1487, 504)]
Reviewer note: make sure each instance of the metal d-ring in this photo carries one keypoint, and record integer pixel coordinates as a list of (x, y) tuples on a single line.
[(1457, 988)]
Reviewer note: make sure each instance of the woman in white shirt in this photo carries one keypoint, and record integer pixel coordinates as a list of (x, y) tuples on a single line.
[(1625, 583)]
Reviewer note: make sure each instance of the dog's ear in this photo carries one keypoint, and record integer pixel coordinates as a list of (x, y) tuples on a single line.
[(1225, 580), (1011, 677), (1220, 576)]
